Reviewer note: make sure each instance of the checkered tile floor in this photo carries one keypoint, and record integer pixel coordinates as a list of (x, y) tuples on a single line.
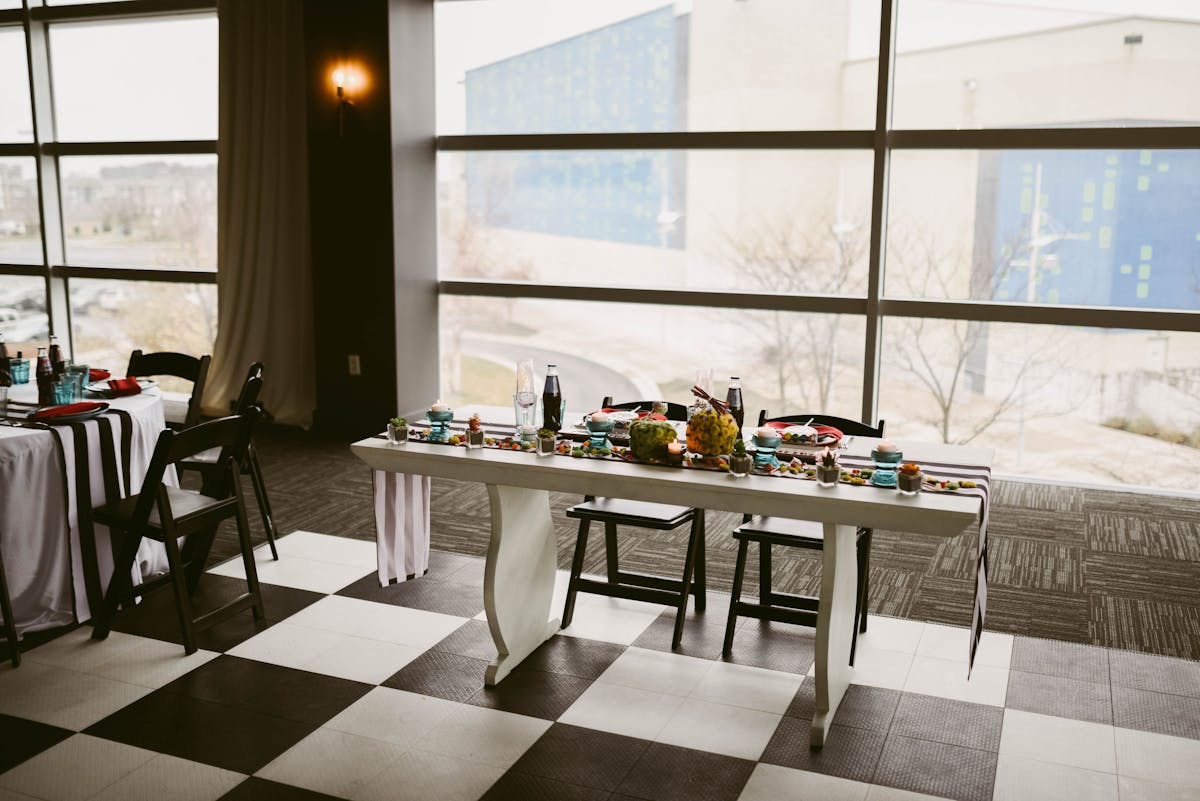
[(353, 691)]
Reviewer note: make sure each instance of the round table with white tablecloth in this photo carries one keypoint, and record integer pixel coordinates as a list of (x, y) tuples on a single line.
[(50, 479)]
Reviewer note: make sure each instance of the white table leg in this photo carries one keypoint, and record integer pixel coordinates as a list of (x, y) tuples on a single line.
[(839, 587), (518, 581)]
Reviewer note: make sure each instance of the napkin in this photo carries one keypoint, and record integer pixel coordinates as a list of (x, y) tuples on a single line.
[(62, 411), (96, 374), (118, 387)]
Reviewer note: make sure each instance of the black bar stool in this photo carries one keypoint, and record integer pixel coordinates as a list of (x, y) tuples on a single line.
[(165, 514), (786, 532), (662, 517)]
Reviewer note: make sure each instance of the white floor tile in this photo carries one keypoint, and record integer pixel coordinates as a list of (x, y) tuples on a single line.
[(421, 776), (879, 667), (720, 729), (324, 548), (953, 643), (394, 716), (607, 623), (332, 762), (750, 687), (773, 783), (483, 735), (1158, 757), (892, 634), (376, 621), (94, 764), (1133, 789), (174, 778), (1024, 779), (63, 697), (327, 652), (656, 671), (121, 657), (948, 679), (1059, 740), (295, 571), (622, 710)]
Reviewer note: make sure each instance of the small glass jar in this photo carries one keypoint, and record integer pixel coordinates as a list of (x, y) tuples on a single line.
[(739, 465), (909, 483), (829, 476), (474, 438), (545, 446), (397, 435)]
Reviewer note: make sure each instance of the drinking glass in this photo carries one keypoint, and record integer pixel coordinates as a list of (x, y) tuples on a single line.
[(79, 373), (525, 396), (64, 389)]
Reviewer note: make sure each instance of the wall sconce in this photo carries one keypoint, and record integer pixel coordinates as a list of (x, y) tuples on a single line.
[(348, 81)]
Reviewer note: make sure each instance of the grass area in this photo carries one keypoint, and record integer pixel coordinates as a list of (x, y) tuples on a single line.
[(484, 382)]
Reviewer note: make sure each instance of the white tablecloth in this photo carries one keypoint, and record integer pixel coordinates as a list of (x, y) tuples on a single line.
[(401, 525), (39, 514)]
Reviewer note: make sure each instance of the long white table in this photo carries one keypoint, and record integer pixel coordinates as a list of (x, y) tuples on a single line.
[(522, 553), (54, 574)]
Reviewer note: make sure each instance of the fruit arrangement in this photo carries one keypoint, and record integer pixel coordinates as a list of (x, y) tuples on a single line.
[(648, 439), (711, 433)]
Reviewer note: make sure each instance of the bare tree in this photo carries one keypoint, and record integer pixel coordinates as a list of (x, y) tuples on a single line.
[(947, 358), (781, 257)]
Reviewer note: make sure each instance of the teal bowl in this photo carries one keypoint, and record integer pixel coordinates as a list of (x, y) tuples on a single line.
[(440, 417)]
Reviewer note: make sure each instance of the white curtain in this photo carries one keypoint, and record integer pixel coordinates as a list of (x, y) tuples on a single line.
[(264, 277)]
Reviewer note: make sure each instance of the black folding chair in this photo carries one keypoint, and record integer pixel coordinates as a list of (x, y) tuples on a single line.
[(663, 517), (206, 462), (10, 622), (165, 514), (180, 365), (769, 531)]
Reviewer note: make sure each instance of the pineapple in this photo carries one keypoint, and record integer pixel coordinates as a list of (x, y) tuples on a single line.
[(711, 433)]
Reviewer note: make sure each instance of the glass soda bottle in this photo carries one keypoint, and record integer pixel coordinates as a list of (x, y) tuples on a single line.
[(45, 378), (734, 398), (55, 355), (552, 400)]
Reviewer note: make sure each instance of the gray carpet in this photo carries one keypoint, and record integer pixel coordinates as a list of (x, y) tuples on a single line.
[(1116, 569)]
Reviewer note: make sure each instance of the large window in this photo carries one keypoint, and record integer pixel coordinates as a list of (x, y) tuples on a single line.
[(108, 178), (991, 239)]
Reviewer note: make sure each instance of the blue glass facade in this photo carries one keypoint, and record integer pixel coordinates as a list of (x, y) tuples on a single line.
[(623, 77), (1118, 228)]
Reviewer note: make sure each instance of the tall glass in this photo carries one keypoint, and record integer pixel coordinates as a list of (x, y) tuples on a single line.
[(525, 396)]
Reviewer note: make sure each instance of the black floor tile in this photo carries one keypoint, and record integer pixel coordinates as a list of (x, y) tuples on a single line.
[(1063, 659), (942, 720), (574, 656), (848, 753), (281, 692), (155, 616), (671, 773), (449, 676), (215, 734), (427, 593), (256, 789), (21, 739), (1061, 697), (532, 692), (1155, 673), (774, 646), (514, 786), (862, 707), (580, 756), (1162, 713), (472, 639), (938, 769), (700, 639)]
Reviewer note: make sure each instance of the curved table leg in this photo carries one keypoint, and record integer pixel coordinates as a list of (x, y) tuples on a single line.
[(835, 622), (518, 581)]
